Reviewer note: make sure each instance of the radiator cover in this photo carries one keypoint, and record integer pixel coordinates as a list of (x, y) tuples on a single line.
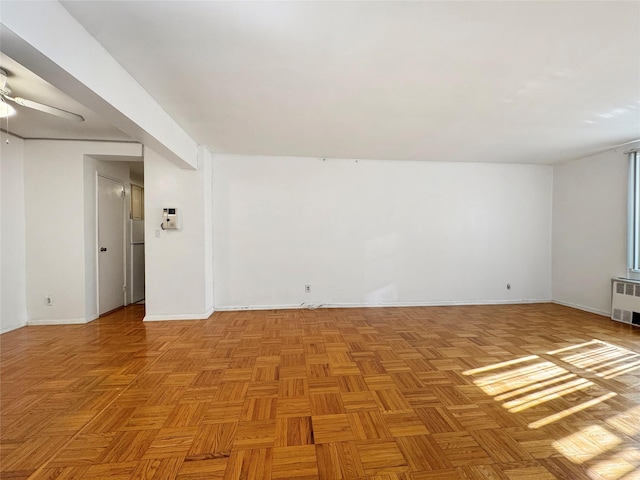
[(625, 301)]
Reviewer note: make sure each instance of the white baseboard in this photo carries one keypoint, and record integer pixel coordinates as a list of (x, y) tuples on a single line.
[(58, 321), (582, 307), (204, 316), (12, 327), (185, 316), (378, 305)]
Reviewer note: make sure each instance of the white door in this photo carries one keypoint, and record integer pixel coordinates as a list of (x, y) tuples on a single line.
[(110, 245)]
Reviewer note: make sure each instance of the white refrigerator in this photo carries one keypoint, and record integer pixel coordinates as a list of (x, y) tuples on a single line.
[(137, 260)]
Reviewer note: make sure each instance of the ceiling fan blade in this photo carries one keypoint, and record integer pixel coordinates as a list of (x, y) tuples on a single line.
[(46, 108)]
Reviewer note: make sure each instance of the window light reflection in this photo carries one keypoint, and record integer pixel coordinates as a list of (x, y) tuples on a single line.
[(543, 396), (623, 465), (570, 411), (605, 449), (587, 443), (534, 386)]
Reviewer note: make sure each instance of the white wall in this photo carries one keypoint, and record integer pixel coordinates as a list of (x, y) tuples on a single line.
[(60, 227), (176, 262), (589, 229), (379, 232), (359, 232), (55, 213), (54, 230), (13, 309)]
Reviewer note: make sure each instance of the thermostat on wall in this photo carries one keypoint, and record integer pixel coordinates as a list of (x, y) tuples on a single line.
[(170, 219)]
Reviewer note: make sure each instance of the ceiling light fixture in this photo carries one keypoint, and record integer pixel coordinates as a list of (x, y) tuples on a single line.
[(6, 109)]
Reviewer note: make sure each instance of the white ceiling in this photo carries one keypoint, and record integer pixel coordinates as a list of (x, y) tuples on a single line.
[(528, 82)]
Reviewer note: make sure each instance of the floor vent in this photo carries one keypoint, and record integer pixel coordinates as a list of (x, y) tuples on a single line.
[(625, 301)]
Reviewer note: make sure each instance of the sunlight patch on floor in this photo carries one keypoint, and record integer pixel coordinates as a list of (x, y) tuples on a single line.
[(547, 394), (623, 465), (604, 359), (521, 377), (570, 411), (526, 382), (620, 370), (627, 422), (496, 366), (586, 443), (534, 386), (572, 347)]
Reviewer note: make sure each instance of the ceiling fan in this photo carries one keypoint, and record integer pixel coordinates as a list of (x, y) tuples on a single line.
[(6, 109)]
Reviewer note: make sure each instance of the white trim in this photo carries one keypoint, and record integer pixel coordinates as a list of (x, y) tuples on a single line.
[(380, 305), (58, 321), (97, 246), (604, 313), (185, 316), (631, 213), (12, 327)]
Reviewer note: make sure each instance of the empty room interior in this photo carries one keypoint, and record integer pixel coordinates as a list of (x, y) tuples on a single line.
[(320, 240)]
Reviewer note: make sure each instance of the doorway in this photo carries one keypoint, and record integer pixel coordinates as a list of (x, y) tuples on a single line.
[(136, 229), (137, 244), (111, 241)]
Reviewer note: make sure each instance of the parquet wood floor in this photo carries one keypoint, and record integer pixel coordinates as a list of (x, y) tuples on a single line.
[(522, 392)]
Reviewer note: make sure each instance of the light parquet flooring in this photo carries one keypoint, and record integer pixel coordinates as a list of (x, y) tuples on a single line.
[(520, 392)]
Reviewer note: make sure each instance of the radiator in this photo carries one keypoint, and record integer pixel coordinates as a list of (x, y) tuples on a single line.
[(625, 301)]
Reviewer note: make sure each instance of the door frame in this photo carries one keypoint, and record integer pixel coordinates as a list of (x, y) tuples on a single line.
[(124, 240)]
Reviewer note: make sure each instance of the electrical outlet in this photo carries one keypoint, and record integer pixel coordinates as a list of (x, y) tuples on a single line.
[(48, 300), (307, 289)]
